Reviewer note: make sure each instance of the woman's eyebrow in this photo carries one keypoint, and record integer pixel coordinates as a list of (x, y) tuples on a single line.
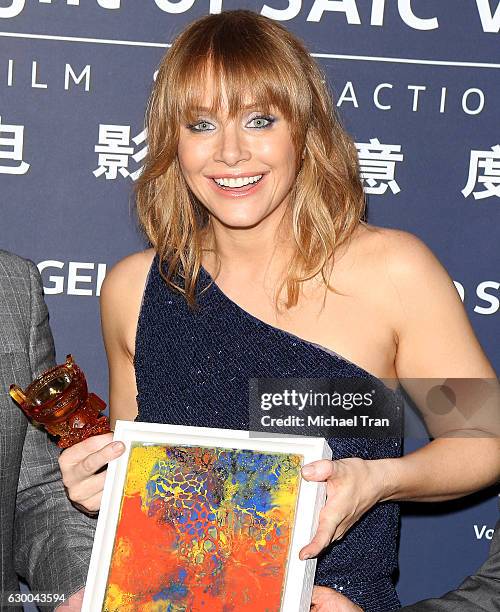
[(245, 107)]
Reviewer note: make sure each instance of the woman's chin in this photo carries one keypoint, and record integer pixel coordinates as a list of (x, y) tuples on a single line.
[(239, 221)]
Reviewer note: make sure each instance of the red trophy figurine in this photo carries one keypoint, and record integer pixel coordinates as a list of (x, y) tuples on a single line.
[(59, 401)]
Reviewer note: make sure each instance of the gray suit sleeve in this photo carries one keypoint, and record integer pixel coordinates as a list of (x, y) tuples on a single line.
[(53, 540), (478, 593)]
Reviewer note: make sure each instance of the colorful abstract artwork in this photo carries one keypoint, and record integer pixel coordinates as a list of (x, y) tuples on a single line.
[(203, 530)]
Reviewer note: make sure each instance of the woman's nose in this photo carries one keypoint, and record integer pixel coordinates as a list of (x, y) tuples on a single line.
[(232, 146)]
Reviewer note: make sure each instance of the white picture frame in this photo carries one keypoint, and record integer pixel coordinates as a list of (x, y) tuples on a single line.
[(299, 577)]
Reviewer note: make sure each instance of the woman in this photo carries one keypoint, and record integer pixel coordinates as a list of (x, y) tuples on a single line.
[(252, 202)]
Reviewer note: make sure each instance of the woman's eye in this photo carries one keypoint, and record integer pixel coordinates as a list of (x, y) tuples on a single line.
[(194, 126), (261, 122), (261, 119)]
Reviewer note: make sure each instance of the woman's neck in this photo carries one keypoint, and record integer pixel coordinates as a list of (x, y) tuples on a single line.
[(247, 256)]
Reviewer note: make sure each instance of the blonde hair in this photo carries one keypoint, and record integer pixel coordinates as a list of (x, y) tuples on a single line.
[(238, 48)]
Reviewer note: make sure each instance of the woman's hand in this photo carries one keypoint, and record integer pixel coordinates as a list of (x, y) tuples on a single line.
[(79, 465), (73, 604), (353, 486), (328, 600)]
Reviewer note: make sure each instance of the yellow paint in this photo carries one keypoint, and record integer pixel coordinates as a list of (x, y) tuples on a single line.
[(116, 599), (141, 460)]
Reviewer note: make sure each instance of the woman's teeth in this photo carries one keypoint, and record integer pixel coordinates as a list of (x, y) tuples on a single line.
[(238, 182)]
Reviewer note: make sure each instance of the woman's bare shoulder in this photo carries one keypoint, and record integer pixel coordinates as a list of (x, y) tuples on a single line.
[(128, 274), (395, 264), (393, 247), (369, 231), (121, 297), (410, 275)]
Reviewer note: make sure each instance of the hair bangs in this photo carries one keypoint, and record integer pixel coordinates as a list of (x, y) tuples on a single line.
[(240, 76)]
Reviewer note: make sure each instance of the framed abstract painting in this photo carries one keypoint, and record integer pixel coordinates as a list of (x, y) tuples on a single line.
[(197, 519)]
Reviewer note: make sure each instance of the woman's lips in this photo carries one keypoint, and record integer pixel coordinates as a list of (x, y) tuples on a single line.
[(237, 192)]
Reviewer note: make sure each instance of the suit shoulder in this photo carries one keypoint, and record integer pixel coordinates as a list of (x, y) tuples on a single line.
[(12, 265), (19, 274), (21, 291)]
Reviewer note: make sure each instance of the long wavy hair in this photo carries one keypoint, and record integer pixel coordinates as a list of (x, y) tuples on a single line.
[(247, 53)]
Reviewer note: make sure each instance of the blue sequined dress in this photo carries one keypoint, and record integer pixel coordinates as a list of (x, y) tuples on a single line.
[(192, 368)]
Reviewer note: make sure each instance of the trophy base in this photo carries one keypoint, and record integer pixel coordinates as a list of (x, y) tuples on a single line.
[(101, 426)]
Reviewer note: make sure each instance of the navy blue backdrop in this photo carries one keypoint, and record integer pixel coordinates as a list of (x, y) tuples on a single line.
[(416, 83)]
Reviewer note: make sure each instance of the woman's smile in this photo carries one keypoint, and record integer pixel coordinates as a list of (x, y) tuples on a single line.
[(238, 188)]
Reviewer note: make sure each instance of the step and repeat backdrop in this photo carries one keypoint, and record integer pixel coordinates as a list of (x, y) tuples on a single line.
[(416, 84)]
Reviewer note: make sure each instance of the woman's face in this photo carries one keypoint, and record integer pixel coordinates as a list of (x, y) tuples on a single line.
[(250, 146)]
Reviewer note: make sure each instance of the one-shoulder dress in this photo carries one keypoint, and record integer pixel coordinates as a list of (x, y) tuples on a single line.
[(193, 368)]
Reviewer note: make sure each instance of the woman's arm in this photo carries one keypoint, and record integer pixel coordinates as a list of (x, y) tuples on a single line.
[(437, 346), (121, 296)]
